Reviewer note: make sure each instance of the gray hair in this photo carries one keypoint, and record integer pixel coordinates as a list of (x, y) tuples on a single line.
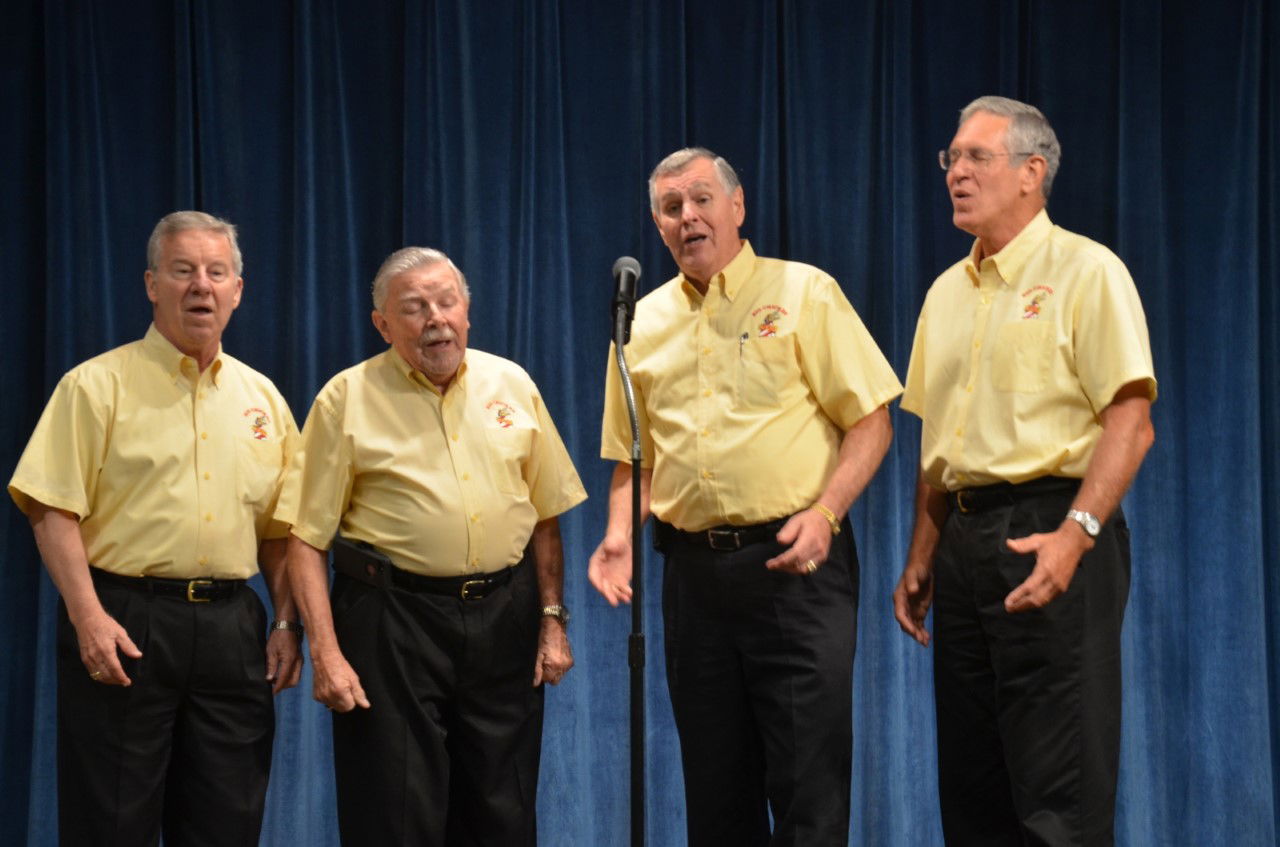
[(1029, 132), (176, 222), (406, 259), (680, 160)]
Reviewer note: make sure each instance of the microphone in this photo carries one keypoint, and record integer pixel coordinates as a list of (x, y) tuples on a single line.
[(626, 273)]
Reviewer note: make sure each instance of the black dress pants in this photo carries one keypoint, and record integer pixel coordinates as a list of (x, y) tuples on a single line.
[(448, 752), (1028, 704), (760, 671), (187, 747)]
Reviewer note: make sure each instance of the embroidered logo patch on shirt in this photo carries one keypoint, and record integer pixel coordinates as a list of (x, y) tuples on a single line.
[(1039, 294), (768, 326), (504, 415), (259, 422)]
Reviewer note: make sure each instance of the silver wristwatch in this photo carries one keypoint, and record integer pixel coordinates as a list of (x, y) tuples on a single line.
[(557, 611), (1088, 522)]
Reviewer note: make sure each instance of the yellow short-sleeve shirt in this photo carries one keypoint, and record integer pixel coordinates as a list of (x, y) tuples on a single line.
[(173, 472), (1015, 358), (444, 484), (744, 394)]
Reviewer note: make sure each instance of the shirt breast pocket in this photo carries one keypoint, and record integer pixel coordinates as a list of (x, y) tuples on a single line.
[(509, 447), (258, 465), (1022, 356), (767, 367)]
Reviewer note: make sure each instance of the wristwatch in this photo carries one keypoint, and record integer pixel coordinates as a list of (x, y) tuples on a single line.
[(1087, 522), (288, 626), (557, 611)]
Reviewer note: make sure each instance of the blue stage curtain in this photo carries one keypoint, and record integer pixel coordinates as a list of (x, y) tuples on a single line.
[(517, 135)]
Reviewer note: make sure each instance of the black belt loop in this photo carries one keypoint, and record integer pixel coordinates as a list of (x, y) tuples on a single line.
[(198, 590), (984, 497)]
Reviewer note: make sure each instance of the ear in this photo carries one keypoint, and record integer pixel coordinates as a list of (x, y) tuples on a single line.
[(235, 299), (1032, 176), (739, 206), (380, 324), (150, 280)]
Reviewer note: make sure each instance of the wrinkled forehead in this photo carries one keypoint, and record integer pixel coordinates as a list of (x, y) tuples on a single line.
[(187, 244), (982, 129), (434, 282), (698, 174)]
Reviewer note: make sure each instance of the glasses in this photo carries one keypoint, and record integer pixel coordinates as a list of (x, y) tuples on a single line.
[(977, 157)]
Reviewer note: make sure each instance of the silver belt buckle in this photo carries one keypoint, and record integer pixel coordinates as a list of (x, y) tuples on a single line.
[(732, 540)]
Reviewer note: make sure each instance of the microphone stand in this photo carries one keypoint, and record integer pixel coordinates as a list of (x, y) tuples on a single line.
[(635, 645)]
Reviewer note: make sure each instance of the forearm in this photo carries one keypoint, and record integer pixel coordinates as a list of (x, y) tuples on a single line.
[(931, 513), (861, 451), (275, 573), (309, 581), (62, 549), (548, 559), (620, 500), (1127, 434)]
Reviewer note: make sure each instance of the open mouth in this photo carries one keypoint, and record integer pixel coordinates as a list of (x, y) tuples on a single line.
[(694, 240), (201, 311)]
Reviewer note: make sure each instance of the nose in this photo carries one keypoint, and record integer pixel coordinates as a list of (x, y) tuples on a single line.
[(689, 212), (200, 280)]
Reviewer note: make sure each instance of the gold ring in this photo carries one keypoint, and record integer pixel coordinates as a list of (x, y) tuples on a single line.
[(811, 566), (96, 675)]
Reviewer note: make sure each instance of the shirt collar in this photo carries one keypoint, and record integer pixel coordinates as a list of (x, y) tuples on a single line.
[(418, 377), (174, 362), (731, 278), (1009, 261)]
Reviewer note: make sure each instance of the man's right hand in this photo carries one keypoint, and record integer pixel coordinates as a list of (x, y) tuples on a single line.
[(335, 683), (610, 569), (911, 600), (102, 639)]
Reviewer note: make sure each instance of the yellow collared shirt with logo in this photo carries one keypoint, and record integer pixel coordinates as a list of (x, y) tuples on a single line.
[(444, 484), (173, 472), (744, 394), (1015, 358)]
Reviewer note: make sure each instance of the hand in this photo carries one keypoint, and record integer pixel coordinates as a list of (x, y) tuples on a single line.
[(100, 638), (1057, 557), (335, 683), (609, 570), (284, 659), (554, 654), (808, 536), (912, 599)]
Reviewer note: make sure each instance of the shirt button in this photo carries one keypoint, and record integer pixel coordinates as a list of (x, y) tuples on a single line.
[(977, 345), (969, 388), (475, 562), (706, 474), (706, 351), (204, 435), (206, 475), (203, 560), (466, 476), (475, 518), (959, 433), (208, 518), (704, 433), (454, 436), (706, 392)]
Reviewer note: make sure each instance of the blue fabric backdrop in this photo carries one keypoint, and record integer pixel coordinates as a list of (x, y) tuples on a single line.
[(517, 137)]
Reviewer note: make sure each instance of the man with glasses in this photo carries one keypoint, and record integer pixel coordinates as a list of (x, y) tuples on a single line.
[(1031, 371)]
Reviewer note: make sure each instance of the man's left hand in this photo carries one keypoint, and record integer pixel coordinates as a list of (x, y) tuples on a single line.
[(284, 659), (554, 654), (809, 537), (1057, 557)]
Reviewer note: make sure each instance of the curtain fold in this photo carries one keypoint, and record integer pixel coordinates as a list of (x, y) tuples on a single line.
[(517, 136)]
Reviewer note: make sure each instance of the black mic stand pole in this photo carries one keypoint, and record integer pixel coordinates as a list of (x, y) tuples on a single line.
[(635, 645)]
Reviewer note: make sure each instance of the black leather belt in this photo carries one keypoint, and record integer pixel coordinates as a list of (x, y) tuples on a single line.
[(191, 590), (722, 539), (984, 497), (464, 587)]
